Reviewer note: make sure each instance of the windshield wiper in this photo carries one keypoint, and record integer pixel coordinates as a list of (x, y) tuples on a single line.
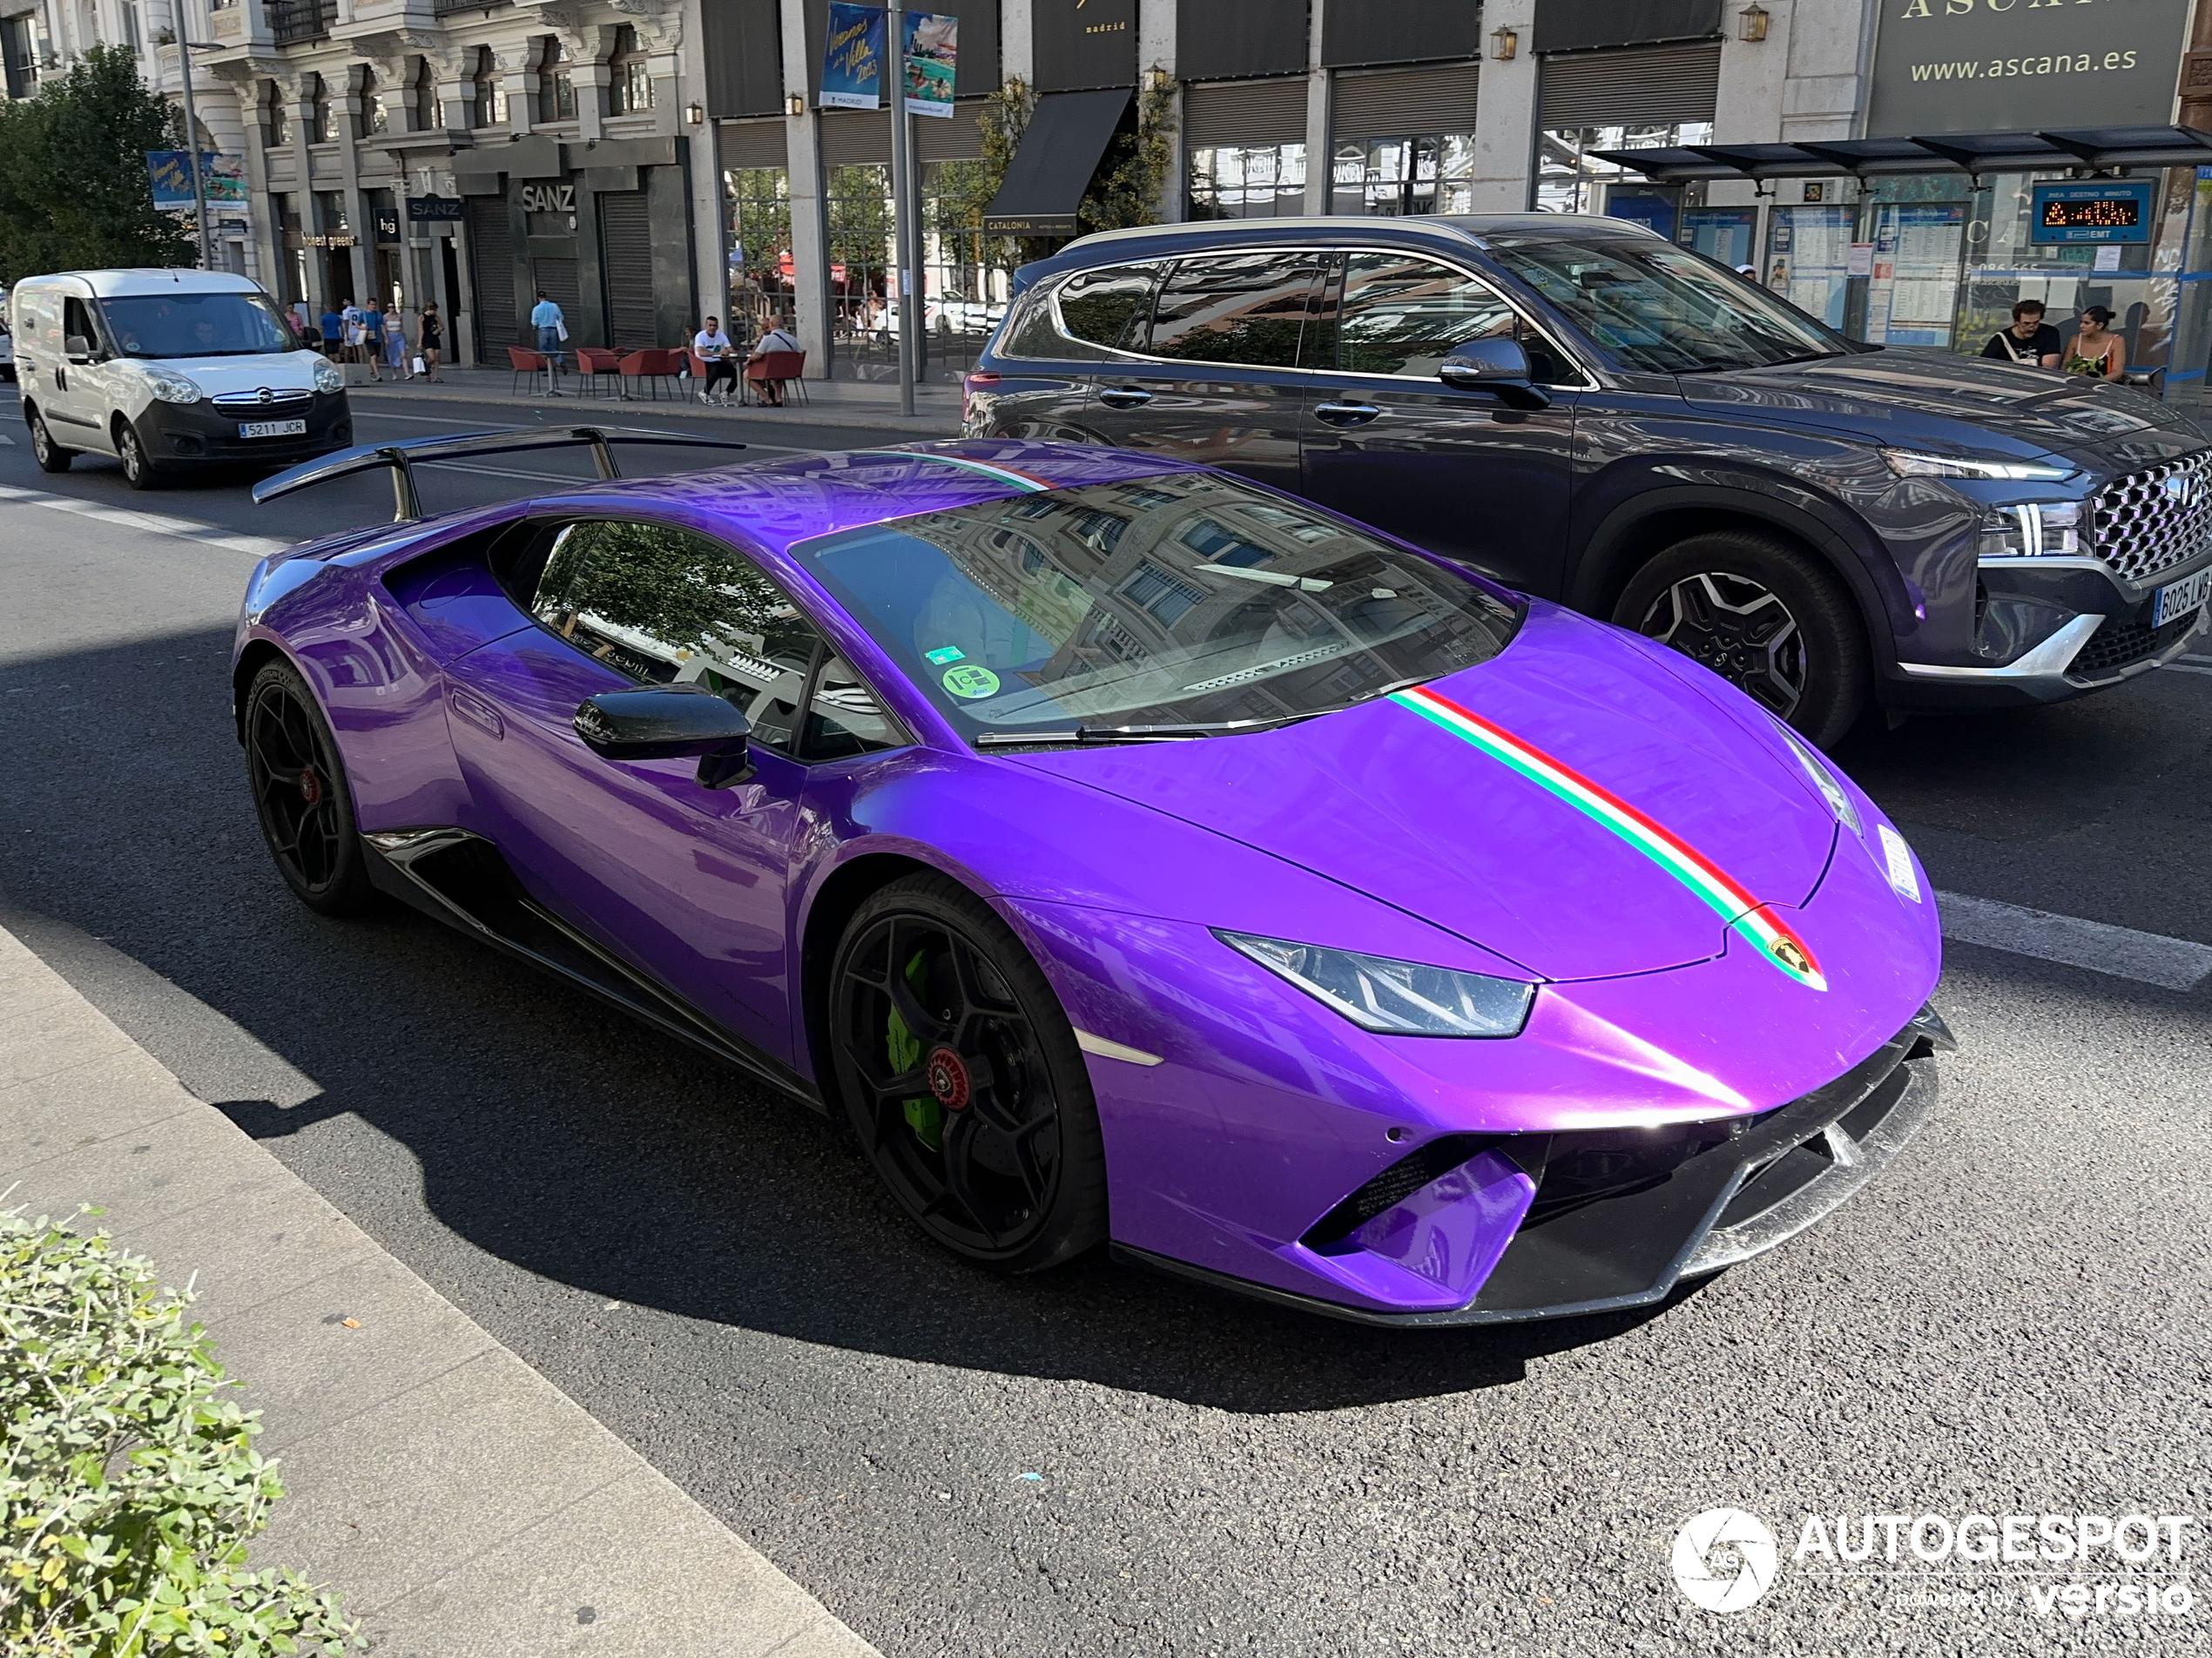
[(1135, 733)]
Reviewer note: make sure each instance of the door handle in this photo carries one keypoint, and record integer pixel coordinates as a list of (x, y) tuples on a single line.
[(1346, 414), (476, 712), (1125, 397)]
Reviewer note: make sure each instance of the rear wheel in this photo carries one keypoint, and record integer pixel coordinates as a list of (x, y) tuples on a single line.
[(961, 1078), (301, 797), (1766, 617), (50, 456), (138, 470)]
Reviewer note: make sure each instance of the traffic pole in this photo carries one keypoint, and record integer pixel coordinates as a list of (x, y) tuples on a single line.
[(903, 205), (191, 150)]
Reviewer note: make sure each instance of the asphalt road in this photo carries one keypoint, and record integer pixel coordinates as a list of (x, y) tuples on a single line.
[(2011, 1321)]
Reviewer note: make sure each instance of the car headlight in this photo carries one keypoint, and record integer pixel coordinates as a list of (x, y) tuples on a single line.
[(1908, 464), (1838, 800), (328, 376), (1397, 997), (171, 387), (2034, 530)]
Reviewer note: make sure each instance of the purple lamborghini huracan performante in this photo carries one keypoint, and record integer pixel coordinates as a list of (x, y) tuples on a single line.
[(1128, 852)]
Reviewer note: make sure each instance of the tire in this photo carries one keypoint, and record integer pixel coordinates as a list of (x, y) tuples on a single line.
[(1764, 615), (301, 797), (961, 1077), (50, 456), (138, 470)]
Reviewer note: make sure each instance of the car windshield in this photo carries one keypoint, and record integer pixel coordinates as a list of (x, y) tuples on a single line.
[(196, 325), (1661, 308), (1185, 599)]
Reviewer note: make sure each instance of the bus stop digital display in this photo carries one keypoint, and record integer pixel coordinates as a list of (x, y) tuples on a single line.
[(2112, 210)]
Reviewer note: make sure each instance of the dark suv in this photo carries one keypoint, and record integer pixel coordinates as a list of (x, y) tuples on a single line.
[(1589, 412)]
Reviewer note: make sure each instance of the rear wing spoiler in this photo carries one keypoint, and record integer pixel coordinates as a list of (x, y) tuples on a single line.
[(403, 455)]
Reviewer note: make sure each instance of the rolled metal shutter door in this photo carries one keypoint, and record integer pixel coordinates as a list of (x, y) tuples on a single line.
[(626, 262), (755, 143), (1405, 103), (1228, 113), (557, 279), (855, 137), (491, 269), (1644, 86)]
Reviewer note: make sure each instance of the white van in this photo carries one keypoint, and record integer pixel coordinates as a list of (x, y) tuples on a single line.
[(168, 369)]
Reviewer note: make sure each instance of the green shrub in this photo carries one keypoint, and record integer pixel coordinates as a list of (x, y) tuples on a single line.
[(129, 1484)]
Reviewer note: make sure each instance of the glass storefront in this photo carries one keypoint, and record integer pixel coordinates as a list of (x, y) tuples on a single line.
[(757, 206), (1249, 181), (1570, 178), (1433, 174), (966, 276)]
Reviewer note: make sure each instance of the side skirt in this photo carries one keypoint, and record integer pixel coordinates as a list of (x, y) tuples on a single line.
[(461, 880)]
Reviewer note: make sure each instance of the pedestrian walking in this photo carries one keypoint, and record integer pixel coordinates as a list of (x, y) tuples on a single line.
[(2030, 342), (713, 347), (552, 329), (779, 338), (333, 334), (373, 341), (396, 342), (430, 333), (2097, 353), (349, 329)]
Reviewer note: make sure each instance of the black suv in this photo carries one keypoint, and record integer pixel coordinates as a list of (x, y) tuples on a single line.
[(1589, 412)]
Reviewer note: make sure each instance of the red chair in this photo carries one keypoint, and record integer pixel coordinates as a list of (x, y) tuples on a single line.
[(652, 367), (524, 362), (702, 370), (782, 368), (594, 361)]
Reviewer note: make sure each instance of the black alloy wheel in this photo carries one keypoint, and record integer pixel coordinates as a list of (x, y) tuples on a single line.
[(301, 795), (961, 1078), (138, 471), (1763, 615), (50, 456)]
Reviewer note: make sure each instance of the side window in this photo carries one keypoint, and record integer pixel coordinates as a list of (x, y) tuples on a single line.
[(1403, 315), (1107, 307), (844, 717), (77, 323), (1235, 308), (665, 607)]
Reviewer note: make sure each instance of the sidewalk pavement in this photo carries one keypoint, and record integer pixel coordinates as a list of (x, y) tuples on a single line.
[(465, 1506), (836, 402)]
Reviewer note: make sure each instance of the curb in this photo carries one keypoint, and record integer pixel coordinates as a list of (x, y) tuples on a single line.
[(460, 1502)]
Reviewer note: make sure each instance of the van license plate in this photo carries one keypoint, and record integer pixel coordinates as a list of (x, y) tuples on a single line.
[(272, 428), (2179, 598)]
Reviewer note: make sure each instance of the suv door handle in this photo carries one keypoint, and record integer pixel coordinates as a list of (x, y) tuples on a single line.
[(1346, 414), (1124, 397)]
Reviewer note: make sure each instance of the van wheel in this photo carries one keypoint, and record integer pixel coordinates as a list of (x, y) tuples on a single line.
[(1763, 615), (138, 471), (50, 456)]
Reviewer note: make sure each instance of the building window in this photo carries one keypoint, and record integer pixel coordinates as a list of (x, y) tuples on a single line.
[(279, 118), (757, 203), (1571, 180), (556, 85), (1427, 174), (330, 212), (132, 36), (322, 126), (1247, 181), (629, 85), (490, 107), (374, 118), (425, 97)]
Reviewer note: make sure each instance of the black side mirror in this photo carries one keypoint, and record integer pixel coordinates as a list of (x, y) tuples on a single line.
[(668, 721), (1496, 365), (78, 348)]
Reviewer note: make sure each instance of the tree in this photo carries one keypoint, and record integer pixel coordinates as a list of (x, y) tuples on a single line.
[(74, 194)]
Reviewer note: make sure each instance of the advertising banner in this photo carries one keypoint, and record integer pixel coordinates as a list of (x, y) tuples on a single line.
[(1952, 66), (222, 180), (852, 57), (932, 63)]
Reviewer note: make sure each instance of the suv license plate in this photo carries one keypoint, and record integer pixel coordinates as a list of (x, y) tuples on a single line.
[(2179, 598), (272, 428)]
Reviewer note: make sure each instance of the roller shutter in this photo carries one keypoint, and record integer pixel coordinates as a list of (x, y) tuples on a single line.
[(856, 137), (959, 139), (557, 279), (1245, 113), (491, 268), (755, 143), (626, 260), (1404, 103), (1652, 86)]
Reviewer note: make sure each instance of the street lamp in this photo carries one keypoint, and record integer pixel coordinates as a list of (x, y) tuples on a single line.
[(185, 50), (1751, 23)]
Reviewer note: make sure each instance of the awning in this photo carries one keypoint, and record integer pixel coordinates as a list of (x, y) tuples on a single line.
[(2101, 149), (1059, 148)]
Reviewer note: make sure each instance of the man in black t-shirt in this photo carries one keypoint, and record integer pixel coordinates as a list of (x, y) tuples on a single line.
[(2031, 342)]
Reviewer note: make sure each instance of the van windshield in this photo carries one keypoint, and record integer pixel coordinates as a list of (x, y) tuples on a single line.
[(196, 325), (1662, 309)]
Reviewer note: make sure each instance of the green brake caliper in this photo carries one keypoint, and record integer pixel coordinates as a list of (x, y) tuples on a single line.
[(925, 1117)]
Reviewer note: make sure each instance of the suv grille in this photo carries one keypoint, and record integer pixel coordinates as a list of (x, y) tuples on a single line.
[(2114, 646), (2144, 523)]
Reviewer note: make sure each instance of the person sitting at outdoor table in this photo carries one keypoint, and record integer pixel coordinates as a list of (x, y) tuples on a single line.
[(713, 349), (2097, 353), (2031, 342), (777, 339)]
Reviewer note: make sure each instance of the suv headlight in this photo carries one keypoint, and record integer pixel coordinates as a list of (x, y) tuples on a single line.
[(2034, 530), (1907, 464), (329, 377), (172, 387), (1397, 997)]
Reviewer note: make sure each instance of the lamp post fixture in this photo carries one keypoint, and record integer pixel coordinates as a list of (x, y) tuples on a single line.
[(185, 50), (1751, 23)]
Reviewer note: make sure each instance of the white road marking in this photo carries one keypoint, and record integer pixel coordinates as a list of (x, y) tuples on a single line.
[(2121, 951), (2190, 667), (153, 522)]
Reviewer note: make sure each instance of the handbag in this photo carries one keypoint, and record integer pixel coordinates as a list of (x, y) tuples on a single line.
[(418, 369), (561, 331)]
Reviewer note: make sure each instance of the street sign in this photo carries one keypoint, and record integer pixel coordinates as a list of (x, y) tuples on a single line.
[(420, 208)]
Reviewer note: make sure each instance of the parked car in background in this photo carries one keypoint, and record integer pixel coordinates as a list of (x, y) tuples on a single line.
[(167, 370), (1586, 412), (7, 342)]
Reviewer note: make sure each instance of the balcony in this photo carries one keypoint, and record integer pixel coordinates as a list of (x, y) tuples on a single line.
[(294, 21)]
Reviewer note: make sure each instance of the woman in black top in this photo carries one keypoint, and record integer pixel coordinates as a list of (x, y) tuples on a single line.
[(433, 338)]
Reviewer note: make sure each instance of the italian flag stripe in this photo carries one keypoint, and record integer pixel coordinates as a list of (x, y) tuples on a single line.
[(1021, 480), (1724, 895)]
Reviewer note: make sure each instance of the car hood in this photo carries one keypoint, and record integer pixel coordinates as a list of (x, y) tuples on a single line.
[(1387, 801), (1903, 397), (281, 371)]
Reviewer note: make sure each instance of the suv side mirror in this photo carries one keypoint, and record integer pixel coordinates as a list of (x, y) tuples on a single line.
[(1496, 365), (668, 721), (78, 348)]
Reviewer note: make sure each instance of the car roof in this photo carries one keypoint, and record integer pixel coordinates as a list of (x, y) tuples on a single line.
[(120, 284), (1462, 227)]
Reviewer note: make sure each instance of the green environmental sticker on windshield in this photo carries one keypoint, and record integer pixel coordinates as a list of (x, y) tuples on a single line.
[(971, 681), (945, 653)]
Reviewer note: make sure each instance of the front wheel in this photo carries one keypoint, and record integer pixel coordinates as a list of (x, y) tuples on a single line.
[(50, 456), (301, 797), (138, 471), (961, 1075), (1765, 617)]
